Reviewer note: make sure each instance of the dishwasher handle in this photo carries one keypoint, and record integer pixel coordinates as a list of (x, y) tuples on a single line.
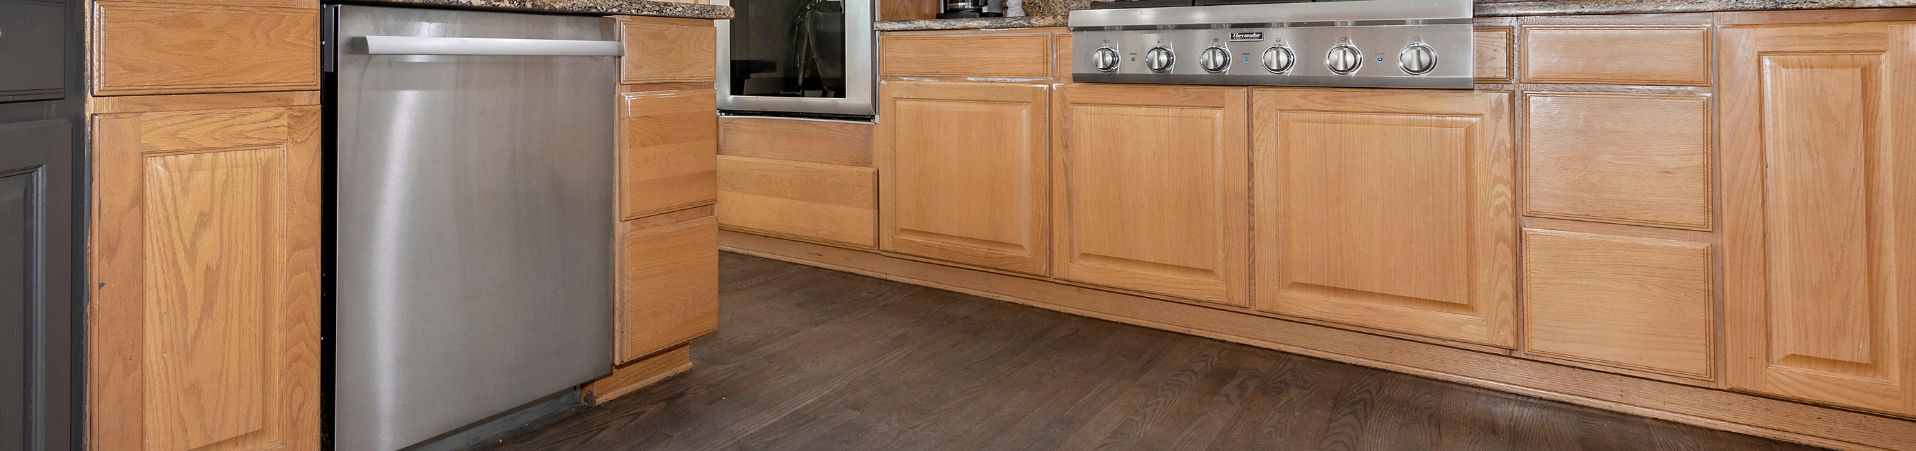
[(422, 45)]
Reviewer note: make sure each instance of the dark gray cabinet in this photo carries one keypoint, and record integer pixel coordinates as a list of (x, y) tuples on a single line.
[(41, 194)]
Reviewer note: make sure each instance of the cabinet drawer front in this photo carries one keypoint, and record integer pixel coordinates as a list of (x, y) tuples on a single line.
[(32, 48), (1627, 159), (668, 150), (173, 49), (668, 281), (811, 201), (972, 54), (1492, 54), (1617, 54), (1636, 304), (668, 49)]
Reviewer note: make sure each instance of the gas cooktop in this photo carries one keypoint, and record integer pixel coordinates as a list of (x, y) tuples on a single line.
[(1347, 43)]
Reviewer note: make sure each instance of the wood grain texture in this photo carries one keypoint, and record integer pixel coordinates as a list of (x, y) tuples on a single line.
[(823, 202), (668, 150), (1388, 209), (667, 49), (793, 139), (1716, 409), (964, 173), (204, 329), (1491, 52), (979, 54), (1660, 55), (668, 282), (907, 9), (147, 104), (1819, 211), (168, 48), (1635, 304), (631, 377), (1642, 159), (1150, 190)]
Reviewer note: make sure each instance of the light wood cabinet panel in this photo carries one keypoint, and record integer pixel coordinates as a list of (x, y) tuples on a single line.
[(668, 49), (205, 317), (811, 201), (1617, 54), (1819, 221), (963, 171), (1388, 209), (1636, 304), (1021, 54), (668, 281), (811, 140), (1150, 190), (1491, 53), (1640, 159), (167, 48), (668, 150)]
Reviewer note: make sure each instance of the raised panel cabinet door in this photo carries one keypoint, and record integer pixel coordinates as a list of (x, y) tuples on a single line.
[(205, 315), (668, 281), (668, 150), (1150, 190), (963, 171), (36, 295), (1819, 212), (1388, 209)]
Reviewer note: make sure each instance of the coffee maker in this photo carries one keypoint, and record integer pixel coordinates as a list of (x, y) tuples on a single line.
[(970, 9)]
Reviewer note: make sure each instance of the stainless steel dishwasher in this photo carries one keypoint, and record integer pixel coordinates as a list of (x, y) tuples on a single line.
[(471, 161)]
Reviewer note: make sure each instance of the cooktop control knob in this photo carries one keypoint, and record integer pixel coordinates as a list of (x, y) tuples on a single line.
[(1344, 59), (1417, 59), (1105, 59), (1159, 59), (1279, 59), (1215, 60)]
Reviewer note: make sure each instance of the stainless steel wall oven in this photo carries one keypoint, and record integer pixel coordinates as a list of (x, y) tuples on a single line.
[(797, 56)]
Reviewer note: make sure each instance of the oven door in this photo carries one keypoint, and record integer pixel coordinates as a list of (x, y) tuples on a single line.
[(797, 56)]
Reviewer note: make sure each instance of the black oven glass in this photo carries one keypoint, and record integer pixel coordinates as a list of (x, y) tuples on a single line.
[(788, 48)]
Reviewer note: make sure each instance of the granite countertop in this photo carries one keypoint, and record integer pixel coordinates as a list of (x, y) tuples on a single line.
[(1054, 13), (594, 7)]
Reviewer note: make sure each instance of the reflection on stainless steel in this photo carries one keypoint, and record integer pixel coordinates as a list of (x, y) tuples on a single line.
[(474, 222)]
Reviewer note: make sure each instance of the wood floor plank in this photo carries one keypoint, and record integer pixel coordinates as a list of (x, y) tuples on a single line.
[(808, 358)]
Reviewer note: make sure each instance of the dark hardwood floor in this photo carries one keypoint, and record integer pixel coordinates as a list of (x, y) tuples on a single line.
[(807, 358)]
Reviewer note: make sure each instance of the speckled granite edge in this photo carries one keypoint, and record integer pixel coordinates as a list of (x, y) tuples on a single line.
[(1503, 8), (971, 24), (595, 7)]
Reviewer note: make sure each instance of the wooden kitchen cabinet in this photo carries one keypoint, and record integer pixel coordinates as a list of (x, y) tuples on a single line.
[(1819, 214), (205, 316), (668, 157), (1150, 190), (963, 173), (1629, 304), (1388, 209), (147, 47), (668, 281)]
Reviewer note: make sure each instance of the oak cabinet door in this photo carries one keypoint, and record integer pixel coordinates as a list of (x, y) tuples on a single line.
[(1819, 222), (963, 170), (668, 150), (1150, 190), (668, 281), (1388, 209), (205, 315)]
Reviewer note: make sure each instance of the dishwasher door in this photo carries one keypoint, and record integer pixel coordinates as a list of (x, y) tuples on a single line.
[(473, 222)]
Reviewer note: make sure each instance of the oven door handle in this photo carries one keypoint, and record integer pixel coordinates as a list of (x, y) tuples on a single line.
[(418, 45)]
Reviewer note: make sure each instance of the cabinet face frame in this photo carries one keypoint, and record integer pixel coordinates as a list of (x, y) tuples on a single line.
[(1482, 250), (1819, 212), (1225, 277), (926, 208), (145, 250)]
